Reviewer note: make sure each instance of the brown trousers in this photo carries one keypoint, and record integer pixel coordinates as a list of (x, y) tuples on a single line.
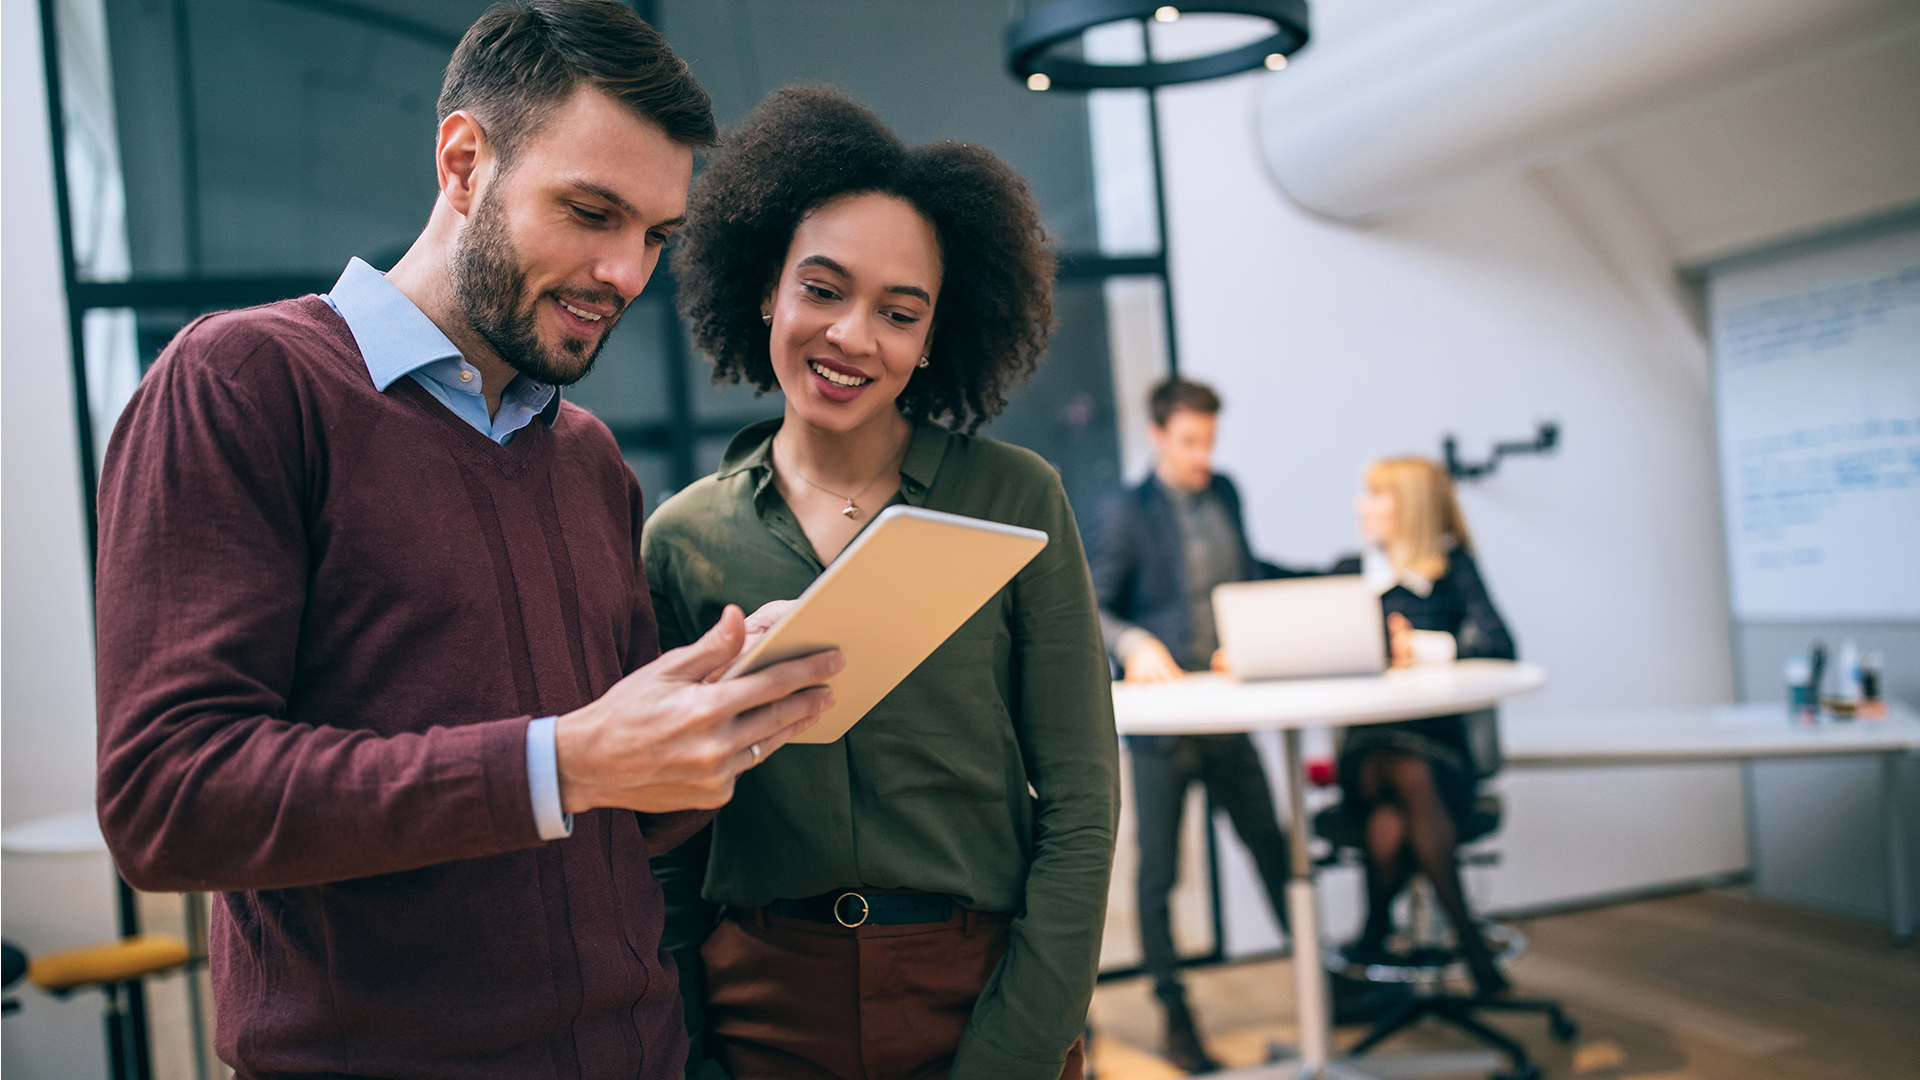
[(790, 999)]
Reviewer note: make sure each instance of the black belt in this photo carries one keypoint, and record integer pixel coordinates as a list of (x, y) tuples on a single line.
[(852, 909)]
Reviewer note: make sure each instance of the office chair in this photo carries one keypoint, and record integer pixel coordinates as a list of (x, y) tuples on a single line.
[(1428, 959), (13, 964), (111, 967)]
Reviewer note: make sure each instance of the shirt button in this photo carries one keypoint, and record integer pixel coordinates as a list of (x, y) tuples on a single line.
[(466, 376)]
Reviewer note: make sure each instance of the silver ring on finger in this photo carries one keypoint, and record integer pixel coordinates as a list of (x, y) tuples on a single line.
[(755, 748)]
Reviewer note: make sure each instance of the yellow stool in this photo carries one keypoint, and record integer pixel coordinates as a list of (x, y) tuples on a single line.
[(106, 964), (113, 966)]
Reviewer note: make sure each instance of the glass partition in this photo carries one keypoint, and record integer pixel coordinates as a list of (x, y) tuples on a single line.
[(219, 153)]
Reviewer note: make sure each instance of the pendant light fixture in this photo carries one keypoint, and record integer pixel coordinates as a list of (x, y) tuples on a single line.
[(1035, 52)]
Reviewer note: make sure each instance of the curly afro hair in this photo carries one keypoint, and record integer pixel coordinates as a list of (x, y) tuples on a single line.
[(805, 146)]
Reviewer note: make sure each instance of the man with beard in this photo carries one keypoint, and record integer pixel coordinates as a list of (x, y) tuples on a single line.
[(376, 656)]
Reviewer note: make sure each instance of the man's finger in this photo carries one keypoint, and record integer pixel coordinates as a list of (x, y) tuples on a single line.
[(715, 650), (771, 727), (746, 759), (773, 683), (760, 749), (768, 721)]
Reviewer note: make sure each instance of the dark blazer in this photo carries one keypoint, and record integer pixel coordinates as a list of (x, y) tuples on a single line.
[(1140, 569)]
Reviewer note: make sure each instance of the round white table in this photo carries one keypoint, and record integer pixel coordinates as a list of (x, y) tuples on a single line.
[(1212, 704)]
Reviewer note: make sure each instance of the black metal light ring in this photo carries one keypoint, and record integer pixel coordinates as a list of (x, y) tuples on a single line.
[(1029, 39), (1075, 75)]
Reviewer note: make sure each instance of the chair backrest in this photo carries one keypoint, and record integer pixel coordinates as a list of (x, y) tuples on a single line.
[(1483, 741)]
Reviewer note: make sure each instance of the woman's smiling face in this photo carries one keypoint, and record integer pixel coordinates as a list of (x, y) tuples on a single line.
[(853, 309)]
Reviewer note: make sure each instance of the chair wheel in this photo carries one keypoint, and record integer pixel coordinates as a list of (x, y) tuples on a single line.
[(1529, 1071), (1562, 1027)]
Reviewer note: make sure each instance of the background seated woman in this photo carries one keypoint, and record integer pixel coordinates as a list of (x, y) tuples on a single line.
[(1413, 782)]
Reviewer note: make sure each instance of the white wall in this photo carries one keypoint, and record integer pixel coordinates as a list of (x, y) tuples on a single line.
[(1547, 294), (1477, 315), (46, 640)]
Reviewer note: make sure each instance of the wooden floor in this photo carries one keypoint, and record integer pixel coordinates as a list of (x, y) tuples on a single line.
[(1708, 986)]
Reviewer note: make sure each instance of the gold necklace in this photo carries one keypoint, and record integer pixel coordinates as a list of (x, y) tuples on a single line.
[(851, 510)]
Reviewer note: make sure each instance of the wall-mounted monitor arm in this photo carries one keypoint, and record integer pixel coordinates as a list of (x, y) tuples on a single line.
[(1543, 442)]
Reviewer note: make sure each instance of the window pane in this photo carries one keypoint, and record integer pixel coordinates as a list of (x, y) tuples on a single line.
[(726, 404), (931, 70), (1066, 414), (707, 452), (627, 388), (652, 470), (313, 132)]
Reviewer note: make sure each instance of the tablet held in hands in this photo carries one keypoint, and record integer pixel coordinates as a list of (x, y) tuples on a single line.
[(897, 592)]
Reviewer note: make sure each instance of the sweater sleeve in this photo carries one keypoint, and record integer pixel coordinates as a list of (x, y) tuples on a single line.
[(201, 594), (1035, 1003)]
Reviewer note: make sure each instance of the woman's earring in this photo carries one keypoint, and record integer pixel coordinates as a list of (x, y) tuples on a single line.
[(767, 317), (924, 361)]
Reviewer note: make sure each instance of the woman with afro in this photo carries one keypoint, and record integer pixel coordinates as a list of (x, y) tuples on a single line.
[(923, 897)]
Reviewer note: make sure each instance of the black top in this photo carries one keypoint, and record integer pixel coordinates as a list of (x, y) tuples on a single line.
[(1459, 605)]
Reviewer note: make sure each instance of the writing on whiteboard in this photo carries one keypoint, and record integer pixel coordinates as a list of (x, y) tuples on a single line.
[(1796, 478), (1812, 321), (1817, 394)]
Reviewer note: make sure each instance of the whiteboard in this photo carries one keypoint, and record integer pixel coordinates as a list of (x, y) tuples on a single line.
[(1817, 387)]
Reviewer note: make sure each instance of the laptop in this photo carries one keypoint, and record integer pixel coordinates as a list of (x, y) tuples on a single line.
[(1301, 627)]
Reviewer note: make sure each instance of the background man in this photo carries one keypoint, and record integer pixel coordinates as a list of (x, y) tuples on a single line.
[(352, 545), (1160, 550)]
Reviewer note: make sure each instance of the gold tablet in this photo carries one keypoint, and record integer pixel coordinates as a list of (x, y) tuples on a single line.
[(900, 589)]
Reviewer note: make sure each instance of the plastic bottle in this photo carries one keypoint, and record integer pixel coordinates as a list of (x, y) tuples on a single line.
[(1803, 705), (1872, 707), (1848, 677)]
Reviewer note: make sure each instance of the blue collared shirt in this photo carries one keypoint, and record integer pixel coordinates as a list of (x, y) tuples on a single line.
[(396, 338)]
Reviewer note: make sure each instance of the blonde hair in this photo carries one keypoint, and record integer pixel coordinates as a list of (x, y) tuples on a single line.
[(1427, 519)]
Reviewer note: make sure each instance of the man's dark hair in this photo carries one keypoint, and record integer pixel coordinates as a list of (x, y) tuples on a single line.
[(525, 58), (805, 146), (1179, 393)]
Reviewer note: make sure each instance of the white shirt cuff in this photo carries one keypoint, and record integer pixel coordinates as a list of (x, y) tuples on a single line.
[(1434, 647), (543, 781)]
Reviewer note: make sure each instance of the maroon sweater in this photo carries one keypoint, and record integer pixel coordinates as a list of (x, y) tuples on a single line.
[(326, 615)]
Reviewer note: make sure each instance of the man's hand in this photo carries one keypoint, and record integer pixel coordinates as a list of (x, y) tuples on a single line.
[(1150, 661), (665, 738), (1219, 664), (758, 624)]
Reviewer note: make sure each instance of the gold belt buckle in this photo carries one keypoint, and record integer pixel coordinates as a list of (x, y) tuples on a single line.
[(866, 909)]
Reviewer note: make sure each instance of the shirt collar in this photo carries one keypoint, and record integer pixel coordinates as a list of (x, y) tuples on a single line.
[(922, 462), (1378, 571), (396, 338), (752, 448)]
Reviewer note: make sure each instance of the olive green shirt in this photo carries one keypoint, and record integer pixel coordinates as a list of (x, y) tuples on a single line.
[(930, 790)]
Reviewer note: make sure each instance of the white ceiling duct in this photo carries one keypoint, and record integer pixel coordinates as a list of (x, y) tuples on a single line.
[(1452, 90)]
